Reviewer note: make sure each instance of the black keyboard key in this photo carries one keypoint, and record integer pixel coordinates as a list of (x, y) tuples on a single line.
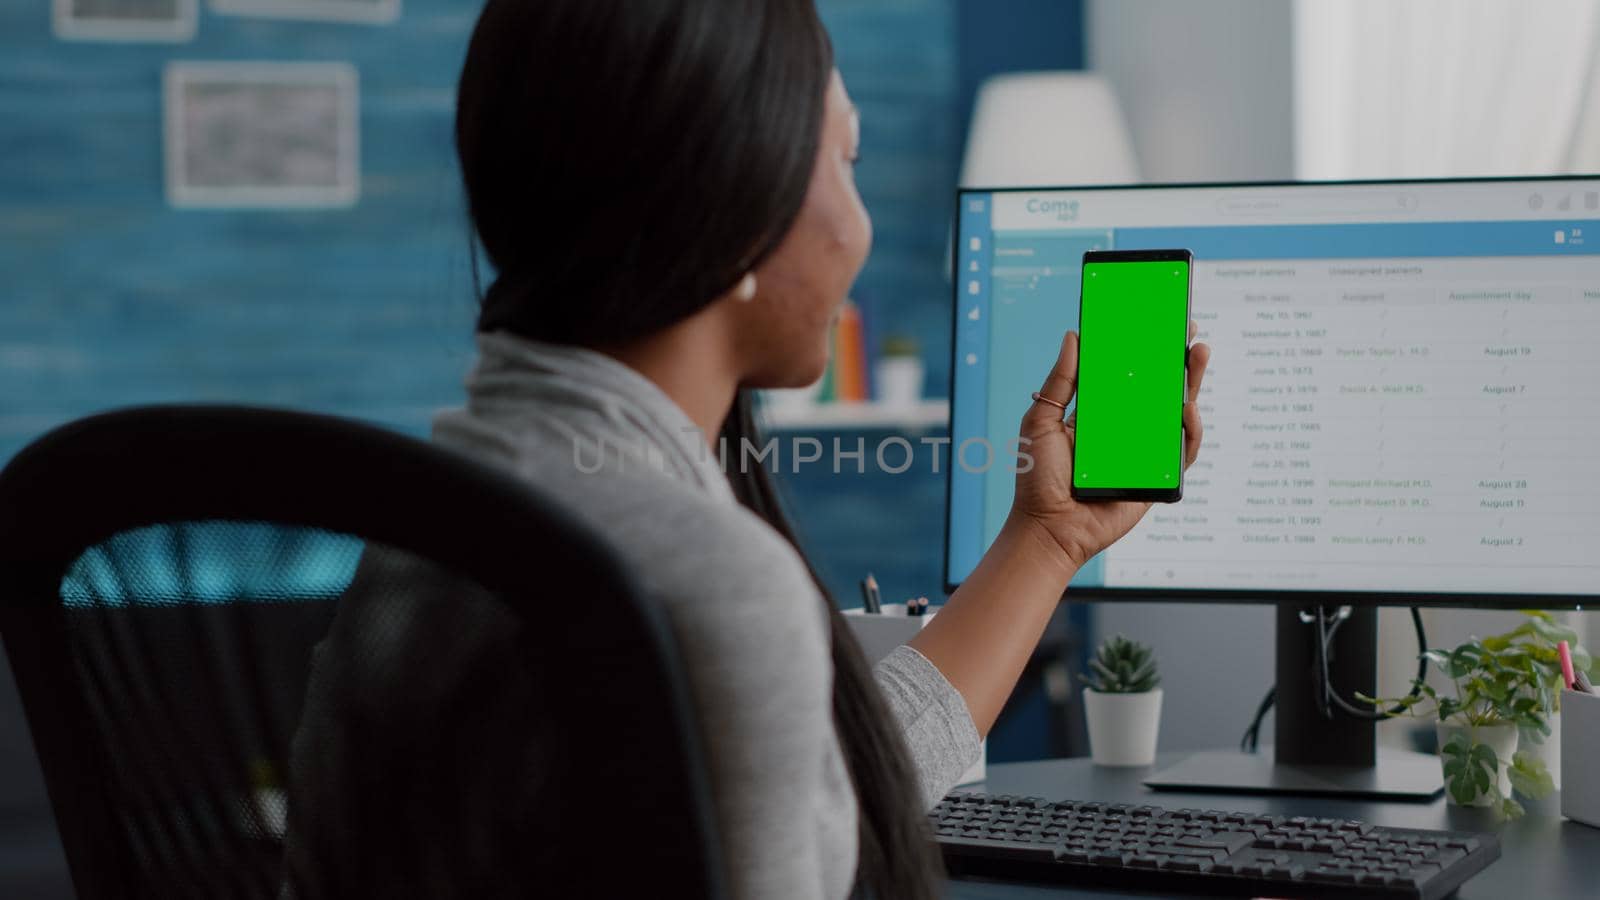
[(999, 849), (1187, 864), (1229, 842), (1072, 855), (1332, 875), (1106, 857), (1188, 852)]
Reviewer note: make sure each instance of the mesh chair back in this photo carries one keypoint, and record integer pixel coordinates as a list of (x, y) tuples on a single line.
[(238, 630)]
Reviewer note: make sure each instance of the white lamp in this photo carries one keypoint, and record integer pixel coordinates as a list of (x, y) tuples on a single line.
[(1040, 129)]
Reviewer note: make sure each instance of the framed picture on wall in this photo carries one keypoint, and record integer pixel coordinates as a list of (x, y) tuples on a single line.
[(261, 134), (372, 12), (124, 20)]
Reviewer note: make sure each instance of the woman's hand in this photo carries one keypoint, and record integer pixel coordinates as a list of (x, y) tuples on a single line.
[(1044, 493)]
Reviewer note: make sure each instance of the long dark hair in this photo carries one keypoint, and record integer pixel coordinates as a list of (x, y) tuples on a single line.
[(626, 162)]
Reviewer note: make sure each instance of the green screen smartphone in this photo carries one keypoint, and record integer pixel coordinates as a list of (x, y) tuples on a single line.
[(1133, 321)]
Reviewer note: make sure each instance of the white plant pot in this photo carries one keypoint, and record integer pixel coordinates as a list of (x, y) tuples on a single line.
[(1500, 738), (899, 381), (1122, 727)]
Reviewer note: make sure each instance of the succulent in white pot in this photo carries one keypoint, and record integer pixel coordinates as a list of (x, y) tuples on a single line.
[(1122, 703), (899, 373)]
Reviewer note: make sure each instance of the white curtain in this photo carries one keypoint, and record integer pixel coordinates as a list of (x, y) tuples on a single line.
[(1446, 88)]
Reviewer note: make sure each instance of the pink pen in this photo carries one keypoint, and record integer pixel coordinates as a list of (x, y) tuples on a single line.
[(1566, 664)]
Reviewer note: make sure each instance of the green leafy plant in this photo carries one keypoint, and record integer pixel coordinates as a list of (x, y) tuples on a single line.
[(1122, 666), (900, 345), (1538, 638), (1506, 679)]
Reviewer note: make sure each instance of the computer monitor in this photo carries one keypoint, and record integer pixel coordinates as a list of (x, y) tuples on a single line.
[(1403, 405)]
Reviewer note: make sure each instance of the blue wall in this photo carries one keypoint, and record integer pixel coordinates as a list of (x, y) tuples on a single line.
[(111, 298)]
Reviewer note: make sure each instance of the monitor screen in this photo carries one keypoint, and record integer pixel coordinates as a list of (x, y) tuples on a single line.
[(1404, 393)]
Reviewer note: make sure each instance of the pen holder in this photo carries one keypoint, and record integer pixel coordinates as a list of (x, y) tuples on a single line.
[(1580, 769), (879, 633)]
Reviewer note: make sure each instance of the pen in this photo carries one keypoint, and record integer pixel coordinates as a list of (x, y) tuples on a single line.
[(1566, 665), (869, 592), (1580, 679)]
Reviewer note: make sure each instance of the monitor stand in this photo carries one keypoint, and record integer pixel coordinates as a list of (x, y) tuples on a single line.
[(1312, 755)]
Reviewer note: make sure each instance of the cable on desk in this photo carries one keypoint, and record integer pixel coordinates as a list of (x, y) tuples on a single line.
[(1328, 696)]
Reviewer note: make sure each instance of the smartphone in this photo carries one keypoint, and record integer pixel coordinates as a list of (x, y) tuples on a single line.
[(1133, 324)]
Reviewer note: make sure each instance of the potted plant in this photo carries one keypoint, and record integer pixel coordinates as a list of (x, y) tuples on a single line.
[(1122, 703), (899, 373), (1499, 690)]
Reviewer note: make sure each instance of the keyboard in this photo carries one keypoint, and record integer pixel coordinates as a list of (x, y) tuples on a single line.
[(1201, 851)]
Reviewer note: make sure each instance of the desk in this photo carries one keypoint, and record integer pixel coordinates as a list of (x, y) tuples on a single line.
[(1542, 855)]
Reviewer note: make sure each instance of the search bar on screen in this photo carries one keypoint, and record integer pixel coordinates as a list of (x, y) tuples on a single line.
[(1333, 204)]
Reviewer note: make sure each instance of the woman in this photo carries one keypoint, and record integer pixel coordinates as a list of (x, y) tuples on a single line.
[(665, 192)]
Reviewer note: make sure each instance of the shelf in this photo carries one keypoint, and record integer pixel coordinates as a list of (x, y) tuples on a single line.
[(925, 415)]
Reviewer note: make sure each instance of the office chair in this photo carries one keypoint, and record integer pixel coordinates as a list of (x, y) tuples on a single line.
[(165, 574)]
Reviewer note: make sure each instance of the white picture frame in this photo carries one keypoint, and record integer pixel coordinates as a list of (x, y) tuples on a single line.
[(156, 21), (366, 12), (261, 134)]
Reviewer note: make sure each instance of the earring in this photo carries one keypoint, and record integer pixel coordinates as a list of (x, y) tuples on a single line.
[(746, 291)]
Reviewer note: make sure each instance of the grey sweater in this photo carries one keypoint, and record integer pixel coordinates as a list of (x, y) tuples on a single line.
[(752, 629)]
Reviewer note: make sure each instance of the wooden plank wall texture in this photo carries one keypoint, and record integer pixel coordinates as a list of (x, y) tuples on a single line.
[(108, 297)]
